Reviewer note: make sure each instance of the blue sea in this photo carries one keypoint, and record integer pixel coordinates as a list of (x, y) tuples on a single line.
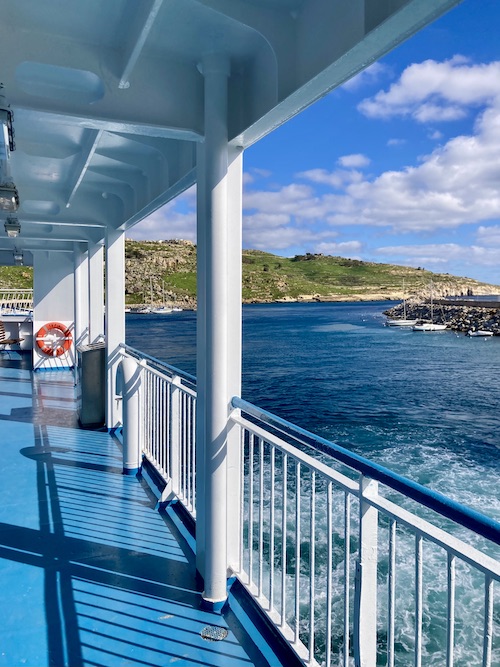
[(425, 405)]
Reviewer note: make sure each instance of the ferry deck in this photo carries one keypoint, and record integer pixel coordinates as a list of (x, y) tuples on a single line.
[(92, 572), (109, 111)]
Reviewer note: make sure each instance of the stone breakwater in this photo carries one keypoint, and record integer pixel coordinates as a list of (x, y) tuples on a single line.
[(457, 318)]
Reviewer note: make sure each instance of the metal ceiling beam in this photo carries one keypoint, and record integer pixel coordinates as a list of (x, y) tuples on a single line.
[(140, 40), (86, 158)]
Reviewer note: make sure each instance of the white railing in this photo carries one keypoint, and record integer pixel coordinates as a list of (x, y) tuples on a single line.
[(354, 574), (354, 564), (167, 425), (12, 300)]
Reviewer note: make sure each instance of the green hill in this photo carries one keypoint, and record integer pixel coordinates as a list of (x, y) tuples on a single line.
[(152, 267), (158, 271)]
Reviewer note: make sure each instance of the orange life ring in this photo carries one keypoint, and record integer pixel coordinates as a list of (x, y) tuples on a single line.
[(54, 339)]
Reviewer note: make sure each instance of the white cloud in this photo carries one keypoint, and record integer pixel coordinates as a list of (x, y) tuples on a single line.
[(336, 179), (488, 236), (344, 248), (263, 173), (368, 76), (355, 160), (255, 174), (159, 226), (436, 135), (436, 91), (293, 200), (263, 220), (175, 220), (458, 183), (442, 254), (276, 239), (396, 142)]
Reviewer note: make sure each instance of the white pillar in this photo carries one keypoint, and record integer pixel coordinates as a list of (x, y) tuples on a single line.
[(81, 270), (215, 392), (96, 292), (115, 318), (201, 357), (131, 416), (234, 352)]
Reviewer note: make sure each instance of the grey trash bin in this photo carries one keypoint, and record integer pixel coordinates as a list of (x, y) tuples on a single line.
[(92, 385)]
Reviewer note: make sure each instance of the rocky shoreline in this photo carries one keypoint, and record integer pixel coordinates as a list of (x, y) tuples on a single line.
[(456, 317)]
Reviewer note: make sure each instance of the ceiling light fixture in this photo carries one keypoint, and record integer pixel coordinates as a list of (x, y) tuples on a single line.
[(12, 227), (7, 120), (18, 258), (9, 197)]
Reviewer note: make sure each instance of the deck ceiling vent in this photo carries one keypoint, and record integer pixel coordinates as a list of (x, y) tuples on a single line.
[(12, 227)]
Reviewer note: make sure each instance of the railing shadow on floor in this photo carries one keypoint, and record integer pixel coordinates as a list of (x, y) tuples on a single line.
[(93, 583)]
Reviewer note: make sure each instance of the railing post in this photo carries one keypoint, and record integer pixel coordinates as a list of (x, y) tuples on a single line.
[(131, 416), (365, 588), (175, 434), (234, 492)]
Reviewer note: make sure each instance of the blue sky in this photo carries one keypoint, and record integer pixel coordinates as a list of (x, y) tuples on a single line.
[(400, 165)]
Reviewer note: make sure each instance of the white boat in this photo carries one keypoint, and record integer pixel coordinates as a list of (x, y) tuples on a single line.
[(479, 332), (401, 321), (430, 326), (162, 310)]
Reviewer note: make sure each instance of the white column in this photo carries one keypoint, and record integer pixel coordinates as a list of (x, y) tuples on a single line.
[(81, 271), (201, 357), (115, 318), (234, 352), (215, 256), (96, 292)]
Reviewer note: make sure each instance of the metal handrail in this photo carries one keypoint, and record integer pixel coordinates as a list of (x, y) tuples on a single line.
[(156, 362), (450, 509)]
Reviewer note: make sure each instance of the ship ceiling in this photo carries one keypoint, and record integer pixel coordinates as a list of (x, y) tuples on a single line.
[(108, 97)]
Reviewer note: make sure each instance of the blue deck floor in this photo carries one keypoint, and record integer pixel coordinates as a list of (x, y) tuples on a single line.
[(91, 573)]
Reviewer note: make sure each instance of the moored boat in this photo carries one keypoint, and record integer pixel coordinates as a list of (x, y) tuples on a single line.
[(479, 332), (400, 323), (162, 310), (429, 326)]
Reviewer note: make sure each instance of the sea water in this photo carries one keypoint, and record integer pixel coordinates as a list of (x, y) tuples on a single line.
[(425, 405)]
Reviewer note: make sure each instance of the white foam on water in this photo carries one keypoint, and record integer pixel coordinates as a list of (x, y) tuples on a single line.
[(462, 482)]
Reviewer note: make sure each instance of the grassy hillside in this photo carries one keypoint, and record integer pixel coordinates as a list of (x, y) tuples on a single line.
[(158, 271), (171, 266), (16, 277)]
